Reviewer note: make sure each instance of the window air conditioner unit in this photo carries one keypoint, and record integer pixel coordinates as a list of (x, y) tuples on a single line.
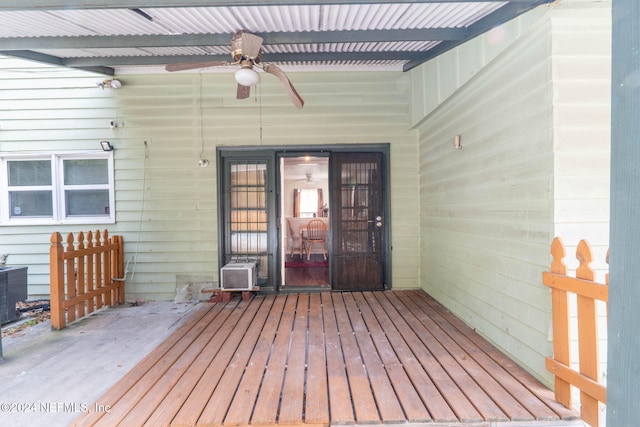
[(238, 277)]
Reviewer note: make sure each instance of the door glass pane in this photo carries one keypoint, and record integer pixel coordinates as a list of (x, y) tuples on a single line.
[(86, 172), (29, 173), (30, 204), (356, 186), (87, 202), (247, 216)]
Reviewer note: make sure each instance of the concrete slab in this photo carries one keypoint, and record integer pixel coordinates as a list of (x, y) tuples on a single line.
[(49, 377)]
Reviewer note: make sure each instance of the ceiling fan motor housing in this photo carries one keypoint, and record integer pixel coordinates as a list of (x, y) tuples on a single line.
[(245, 46)]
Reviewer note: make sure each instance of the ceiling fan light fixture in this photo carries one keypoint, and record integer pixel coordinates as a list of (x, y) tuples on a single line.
[(246, 76)]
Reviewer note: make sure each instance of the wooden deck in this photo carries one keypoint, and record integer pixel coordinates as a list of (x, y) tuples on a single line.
[(393, 357)]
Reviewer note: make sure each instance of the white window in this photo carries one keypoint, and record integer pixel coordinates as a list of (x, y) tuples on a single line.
[(57, 189), (308, 202)]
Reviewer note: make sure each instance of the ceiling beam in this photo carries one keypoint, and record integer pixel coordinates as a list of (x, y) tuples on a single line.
[(34, 56), (307, 37), (500, 16), (54, 60), (31, 5), (271, 57)]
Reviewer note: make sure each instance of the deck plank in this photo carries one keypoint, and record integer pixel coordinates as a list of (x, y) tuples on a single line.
[(173, 400), (292, 402), (152, 392), (502, 375), (423, 385), (319, 359), (450, 390), (240, 408), (216, 408), (364, 402), (383, 392), (494, 390), (266, 408), (534, 387), (483, 403), (200, 394), (340, 406), (317, 399), (407, 395)]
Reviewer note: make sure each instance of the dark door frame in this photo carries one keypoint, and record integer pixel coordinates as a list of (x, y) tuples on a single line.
[(272, 154)]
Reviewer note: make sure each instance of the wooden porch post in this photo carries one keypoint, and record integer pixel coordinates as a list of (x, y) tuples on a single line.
[(623, 362)]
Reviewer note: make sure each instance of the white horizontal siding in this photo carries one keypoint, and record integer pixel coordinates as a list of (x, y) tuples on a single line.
[(166, 205), (582, 105), (582, 122)]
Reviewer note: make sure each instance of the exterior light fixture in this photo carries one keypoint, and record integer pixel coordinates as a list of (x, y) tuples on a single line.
[(106, 146), (110, 84), (457, 143), (246, 76)]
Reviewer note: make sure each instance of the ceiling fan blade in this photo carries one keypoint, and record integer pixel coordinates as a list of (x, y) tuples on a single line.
[(193, 65), (251, 44), (243, 92), (291, 91)]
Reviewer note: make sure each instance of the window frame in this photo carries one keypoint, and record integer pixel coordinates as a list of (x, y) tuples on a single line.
[(57, 187)]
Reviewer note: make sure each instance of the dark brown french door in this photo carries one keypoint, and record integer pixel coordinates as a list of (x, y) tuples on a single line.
[(358, 252)]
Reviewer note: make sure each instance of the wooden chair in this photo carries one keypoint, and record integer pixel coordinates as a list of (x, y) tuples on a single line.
[(294, 240), (316, 234)]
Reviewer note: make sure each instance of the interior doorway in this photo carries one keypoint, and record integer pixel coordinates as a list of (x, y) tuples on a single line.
[(305, 225)]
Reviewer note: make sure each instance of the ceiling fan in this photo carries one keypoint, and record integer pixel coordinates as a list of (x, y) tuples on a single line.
[(246, 52), (307, 179)]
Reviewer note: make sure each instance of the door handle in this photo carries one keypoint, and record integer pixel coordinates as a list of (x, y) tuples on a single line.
[(378, 221)]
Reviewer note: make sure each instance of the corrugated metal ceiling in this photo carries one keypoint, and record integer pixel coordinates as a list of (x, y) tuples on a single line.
[(91, 35)]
